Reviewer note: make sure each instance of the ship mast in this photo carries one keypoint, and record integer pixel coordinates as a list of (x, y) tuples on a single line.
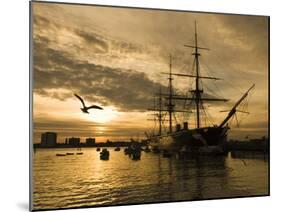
[(170, 105), (160, 115), (196, 93), (197, 90), (170, 99), (158, 112)]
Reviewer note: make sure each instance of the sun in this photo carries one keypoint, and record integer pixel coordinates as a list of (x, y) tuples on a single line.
[(106, 115)]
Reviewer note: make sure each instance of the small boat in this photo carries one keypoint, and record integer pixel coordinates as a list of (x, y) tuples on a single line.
[(104, 154), (98, 149), (79, 153), (60, 155), (69, 153), (117, 149)]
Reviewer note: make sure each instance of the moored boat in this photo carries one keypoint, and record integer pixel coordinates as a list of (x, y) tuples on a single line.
[(117, 149), (208, 139), (69, 153), (104, 154), (60, 155)]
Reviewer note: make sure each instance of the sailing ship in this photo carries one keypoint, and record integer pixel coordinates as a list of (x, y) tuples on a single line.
[(201, 139)]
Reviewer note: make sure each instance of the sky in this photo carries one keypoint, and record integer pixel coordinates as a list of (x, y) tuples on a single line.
[(115, 58)]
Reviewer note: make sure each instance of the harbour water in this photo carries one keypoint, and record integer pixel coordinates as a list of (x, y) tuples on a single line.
[(85, 180)]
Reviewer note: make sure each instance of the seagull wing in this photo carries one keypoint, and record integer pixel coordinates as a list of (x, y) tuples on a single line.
[(80, 99), (95, 107)]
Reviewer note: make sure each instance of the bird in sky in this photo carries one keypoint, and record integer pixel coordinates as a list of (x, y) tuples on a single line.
[(85, 109)]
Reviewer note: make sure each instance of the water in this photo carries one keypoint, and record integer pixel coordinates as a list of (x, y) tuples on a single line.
[(85, 180)]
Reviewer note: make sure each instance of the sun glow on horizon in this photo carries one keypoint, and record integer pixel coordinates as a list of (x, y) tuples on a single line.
[(51, 107), (106, 115)]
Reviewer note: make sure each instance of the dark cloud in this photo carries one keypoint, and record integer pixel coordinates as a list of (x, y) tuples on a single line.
[(54, 69)]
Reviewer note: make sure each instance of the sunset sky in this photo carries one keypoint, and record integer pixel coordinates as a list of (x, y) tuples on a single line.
[(113, 57)]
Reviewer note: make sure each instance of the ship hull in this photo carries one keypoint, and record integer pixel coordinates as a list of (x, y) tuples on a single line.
[(208, 140)]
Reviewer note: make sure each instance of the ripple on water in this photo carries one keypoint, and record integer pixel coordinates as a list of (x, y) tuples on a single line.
[(79, 181)]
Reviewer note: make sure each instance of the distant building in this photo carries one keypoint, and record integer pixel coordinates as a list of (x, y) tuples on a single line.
[(74, 141), (48, 139), (90, 141)]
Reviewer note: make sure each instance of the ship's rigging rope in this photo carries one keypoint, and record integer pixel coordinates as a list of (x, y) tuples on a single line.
[(210, 72), (212, 89), (219, 66)]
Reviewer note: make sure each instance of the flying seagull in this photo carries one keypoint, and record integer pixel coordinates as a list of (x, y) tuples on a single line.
[(85, 109)]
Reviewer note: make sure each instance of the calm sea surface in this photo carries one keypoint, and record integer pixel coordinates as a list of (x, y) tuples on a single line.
[(85, 180)]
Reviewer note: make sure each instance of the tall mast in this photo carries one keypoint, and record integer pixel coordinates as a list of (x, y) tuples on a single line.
[(196, 93), (160, 112), (197, 90), (170, 104), (157, 107)]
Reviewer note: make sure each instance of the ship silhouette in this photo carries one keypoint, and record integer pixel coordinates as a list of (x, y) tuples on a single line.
[(201, 139)]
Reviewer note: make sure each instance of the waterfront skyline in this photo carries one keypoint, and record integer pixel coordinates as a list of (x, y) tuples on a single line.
[(114, 57)]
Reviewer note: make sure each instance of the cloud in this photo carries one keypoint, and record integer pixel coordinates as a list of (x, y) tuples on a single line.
[(72, 69), (114, 56), (55, 69), (93, 40)]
